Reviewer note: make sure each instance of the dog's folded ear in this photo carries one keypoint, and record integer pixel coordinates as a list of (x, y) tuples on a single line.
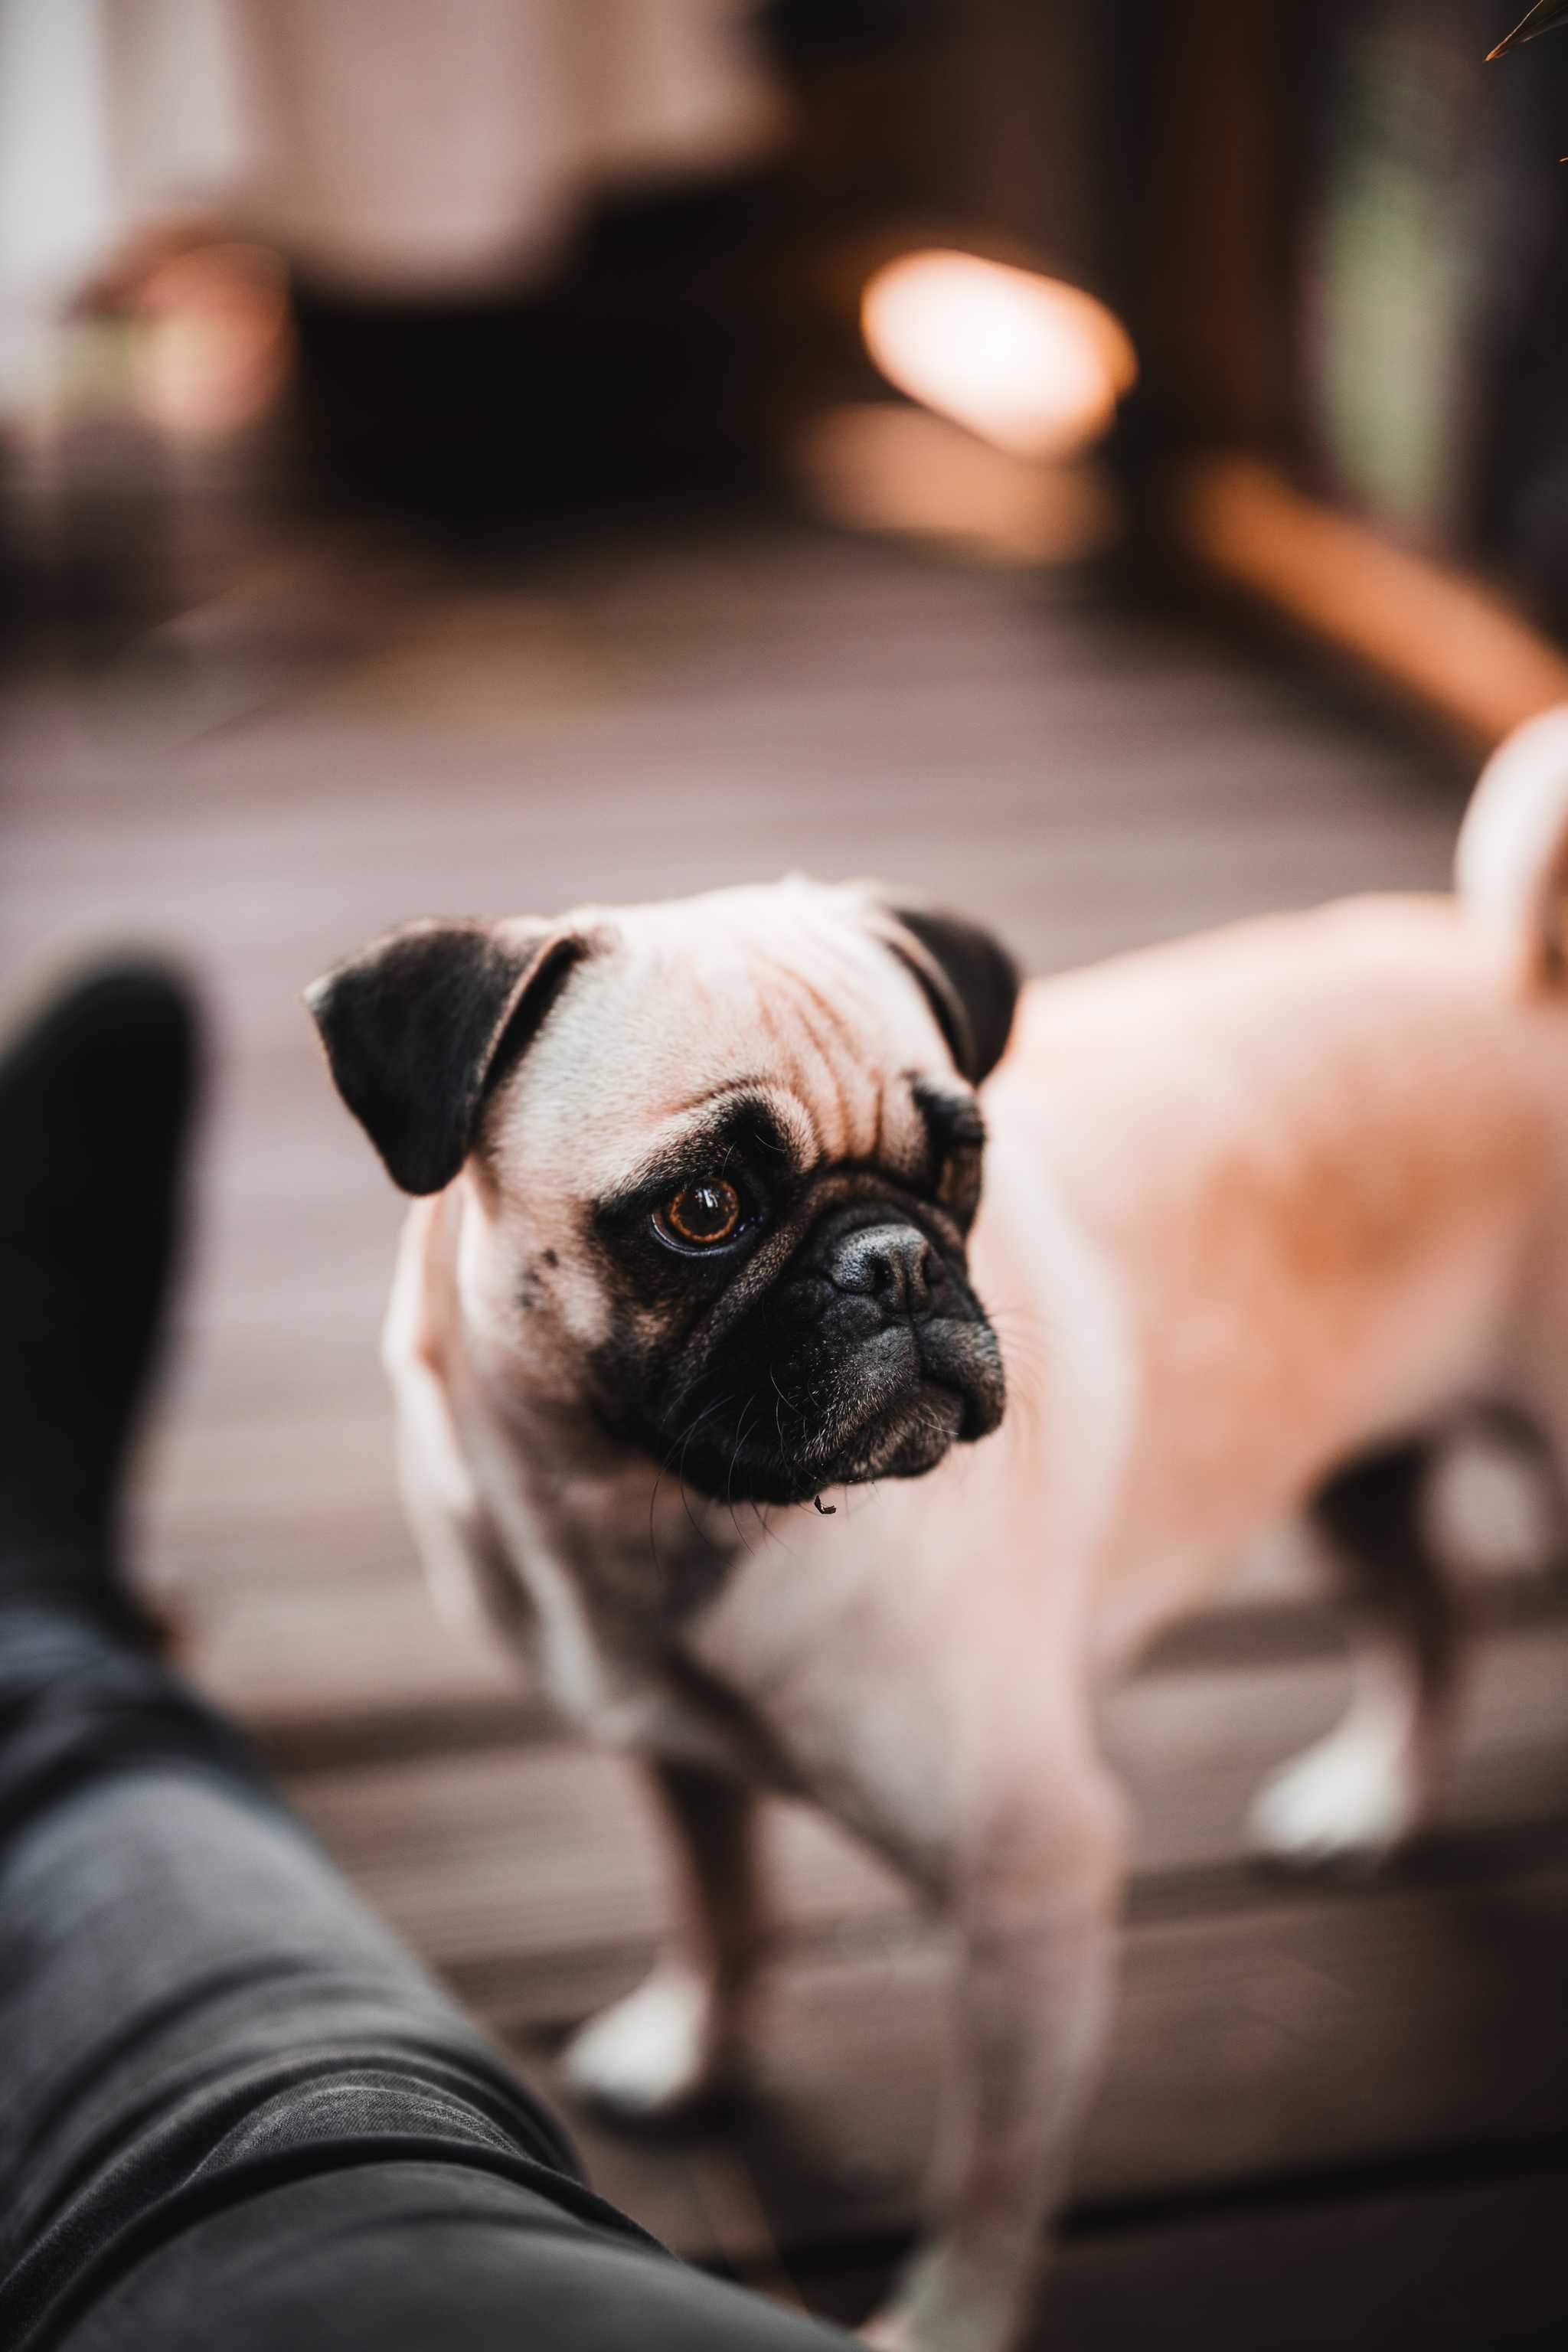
[(970, 982), (420, 1026)]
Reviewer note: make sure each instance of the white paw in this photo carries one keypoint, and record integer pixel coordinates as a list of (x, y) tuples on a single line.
[(653, 2054), (1345, 1803), (946, 2304)]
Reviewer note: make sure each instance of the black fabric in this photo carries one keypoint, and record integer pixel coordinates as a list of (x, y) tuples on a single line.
[(95, 1104), (233, 2109)]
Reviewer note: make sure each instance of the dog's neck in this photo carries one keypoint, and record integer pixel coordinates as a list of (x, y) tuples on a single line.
[(616, 1563)]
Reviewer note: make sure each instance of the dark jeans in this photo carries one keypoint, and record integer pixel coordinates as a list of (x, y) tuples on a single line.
[(233, 2112)]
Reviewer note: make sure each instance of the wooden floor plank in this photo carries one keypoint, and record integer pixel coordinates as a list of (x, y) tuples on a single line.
[(356, 1665), (1441, 2267), (1451, 2265), (1344, 2032), (516, 1865)]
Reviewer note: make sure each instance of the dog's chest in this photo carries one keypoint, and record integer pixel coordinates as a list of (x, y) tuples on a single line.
[(608, 1606), (628, 1677)]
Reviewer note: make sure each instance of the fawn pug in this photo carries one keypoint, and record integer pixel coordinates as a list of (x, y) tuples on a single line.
[(786, 1196)]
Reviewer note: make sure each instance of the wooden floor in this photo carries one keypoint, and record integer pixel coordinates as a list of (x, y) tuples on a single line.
[(1332, 2116)]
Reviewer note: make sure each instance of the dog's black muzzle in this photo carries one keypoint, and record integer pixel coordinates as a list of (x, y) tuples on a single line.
[(894, 1302), (868, 1357)]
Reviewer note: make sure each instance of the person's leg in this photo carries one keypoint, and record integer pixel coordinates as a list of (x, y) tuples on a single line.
[(232, 2108)]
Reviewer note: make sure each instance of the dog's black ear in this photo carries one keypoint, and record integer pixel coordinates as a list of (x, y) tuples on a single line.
[(970, 982), (420, 1025)]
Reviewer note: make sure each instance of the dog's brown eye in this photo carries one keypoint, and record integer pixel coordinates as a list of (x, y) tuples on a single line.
[(704, 1214)]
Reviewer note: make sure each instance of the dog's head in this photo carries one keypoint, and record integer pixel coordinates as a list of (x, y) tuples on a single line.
[(723, 1156)]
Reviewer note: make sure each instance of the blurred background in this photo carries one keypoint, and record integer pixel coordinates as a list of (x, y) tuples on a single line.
[(1103, 464)]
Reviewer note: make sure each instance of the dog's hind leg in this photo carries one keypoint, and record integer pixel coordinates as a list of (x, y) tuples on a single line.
[(680, 2036), (1351, 1798)]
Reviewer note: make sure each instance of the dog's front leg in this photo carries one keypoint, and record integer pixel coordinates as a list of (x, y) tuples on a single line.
[(680, 2036), (1036, 1929)]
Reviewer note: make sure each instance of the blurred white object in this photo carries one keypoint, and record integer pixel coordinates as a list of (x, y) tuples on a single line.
[(386, 144), (1031, 365), (1511, 866)]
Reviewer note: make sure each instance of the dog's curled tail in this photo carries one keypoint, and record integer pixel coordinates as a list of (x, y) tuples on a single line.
[(1511, 864)]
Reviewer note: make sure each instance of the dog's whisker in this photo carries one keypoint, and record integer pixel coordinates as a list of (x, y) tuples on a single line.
[(717, 1406), (652, 1541), (734, 1459)]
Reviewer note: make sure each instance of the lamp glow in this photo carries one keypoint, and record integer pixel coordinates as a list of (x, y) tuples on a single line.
[(1031, 365)]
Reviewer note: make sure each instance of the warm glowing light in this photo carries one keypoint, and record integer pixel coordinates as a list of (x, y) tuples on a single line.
[(878, 467), (215, 341), (1029, 364)]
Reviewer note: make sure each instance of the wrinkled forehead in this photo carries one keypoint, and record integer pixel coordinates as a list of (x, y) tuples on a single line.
[(778, 997)]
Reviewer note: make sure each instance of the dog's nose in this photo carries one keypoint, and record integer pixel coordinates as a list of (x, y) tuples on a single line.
[(895, 1265)]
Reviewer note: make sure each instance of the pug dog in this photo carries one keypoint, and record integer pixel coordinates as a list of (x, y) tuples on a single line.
[(828, 1362)]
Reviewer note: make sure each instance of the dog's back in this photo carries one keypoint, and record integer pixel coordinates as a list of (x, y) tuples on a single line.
[(1325, 1156)]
